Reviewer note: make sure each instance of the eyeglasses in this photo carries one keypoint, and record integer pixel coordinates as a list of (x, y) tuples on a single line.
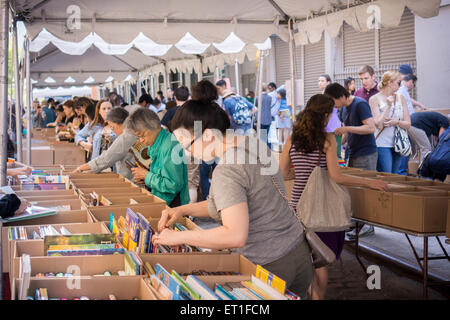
[(190, 144)]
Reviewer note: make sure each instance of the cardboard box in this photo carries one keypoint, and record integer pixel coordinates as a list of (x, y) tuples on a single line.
[(100, 179), (8, 252), (211, 262), (147, 210), (98, 288), (40, 155), (376, 206), (75, 204), (71, 216), (112, 190), (109, 184), (125, 199), (69, 155), (417, 209), (87, 265), (420, 211), (93, 176), (44, 193), (51, 198)]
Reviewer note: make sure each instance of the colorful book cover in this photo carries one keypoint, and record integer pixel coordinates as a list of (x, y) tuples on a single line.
[(144, 234), (185, 288), (271, 279), (133, 225), (169, 282), (88, 252), (74, 239), (197, 285), (130, 265), (162, 290), (83, 246), (105, 202), (222, 293)]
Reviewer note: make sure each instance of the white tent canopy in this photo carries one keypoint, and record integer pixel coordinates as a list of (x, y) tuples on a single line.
[(208, 21), (174, 35)]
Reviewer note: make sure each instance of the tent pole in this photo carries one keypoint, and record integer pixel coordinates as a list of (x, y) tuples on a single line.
[(259, 91), (152, 83), (4, 43), (138, 86), (217, 74), (29, 103), (236, 71), (166, 80), (17, 91), (291, 59)]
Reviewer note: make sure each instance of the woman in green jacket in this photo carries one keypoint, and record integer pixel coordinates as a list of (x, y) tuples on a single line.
[(167, 177)]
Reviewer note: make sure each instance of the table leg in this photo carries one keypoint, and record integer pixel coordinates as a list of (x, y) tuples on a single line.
[(425, 267), (357, 230)]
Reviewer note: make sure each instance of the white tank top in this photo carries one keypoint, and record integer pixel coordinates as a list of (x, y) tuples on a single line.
[(386, 137)]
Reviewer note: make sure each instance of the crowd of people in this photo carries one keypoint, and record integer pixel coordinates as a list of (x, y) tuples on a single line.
[(185, 148)]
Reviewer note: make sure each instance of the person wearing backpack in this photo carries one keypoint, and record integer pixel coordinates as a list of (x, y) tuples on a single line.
[(238, 108)]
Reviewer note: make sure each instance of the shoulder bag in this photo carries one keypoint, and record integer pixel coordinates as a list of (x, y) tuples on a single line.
[(322, 255)]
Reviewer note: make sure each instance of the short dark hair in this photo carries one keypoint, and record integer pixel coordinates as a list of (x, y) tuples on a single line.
[(272, 85), (410, 77), (50, 100), (90, 111), (156, 102), (282, 93), (204, 91), (336, 91), (147, 98), (117, 115), (210, 115), (221, 83), (181, 93)]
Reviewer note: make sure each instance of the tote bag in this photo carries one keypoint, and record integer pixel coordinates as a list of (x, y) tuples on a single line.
[(324, 205)]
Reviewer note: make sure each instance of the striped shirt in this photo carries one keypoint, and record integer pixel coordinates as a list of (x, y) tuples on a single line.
[(304, 164)]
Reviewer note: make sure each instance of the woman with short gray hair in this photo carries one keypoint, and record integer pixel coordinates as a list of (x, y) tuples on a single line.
[(166, 179)]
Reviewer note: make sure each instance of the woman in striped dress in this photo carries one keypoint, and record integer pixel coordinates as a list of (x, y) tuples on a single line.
[(308, 146)]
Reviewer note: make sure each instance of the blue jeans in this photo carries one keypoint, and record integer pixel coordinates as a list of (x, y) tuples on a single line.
[(205, 169), (265, 134), (403, 169), (388, 160)]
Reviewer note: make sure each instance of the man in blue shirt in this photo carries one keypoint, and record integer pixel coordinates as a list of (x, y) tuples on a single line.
[(359, 127)]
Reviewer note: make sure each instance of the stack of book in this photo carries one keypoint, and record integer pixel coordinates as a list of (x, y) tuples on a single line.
[(262, 286), (20, 233), (17, 233), (136, 234), (82, 244)]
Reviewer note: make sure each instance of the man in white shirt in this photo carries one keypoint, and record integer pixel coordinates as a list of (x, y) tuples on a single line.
[(408, 84)]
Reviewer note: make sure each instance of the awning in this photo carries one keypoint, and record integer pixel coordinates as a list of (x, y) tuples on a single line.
[(362, 18)]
